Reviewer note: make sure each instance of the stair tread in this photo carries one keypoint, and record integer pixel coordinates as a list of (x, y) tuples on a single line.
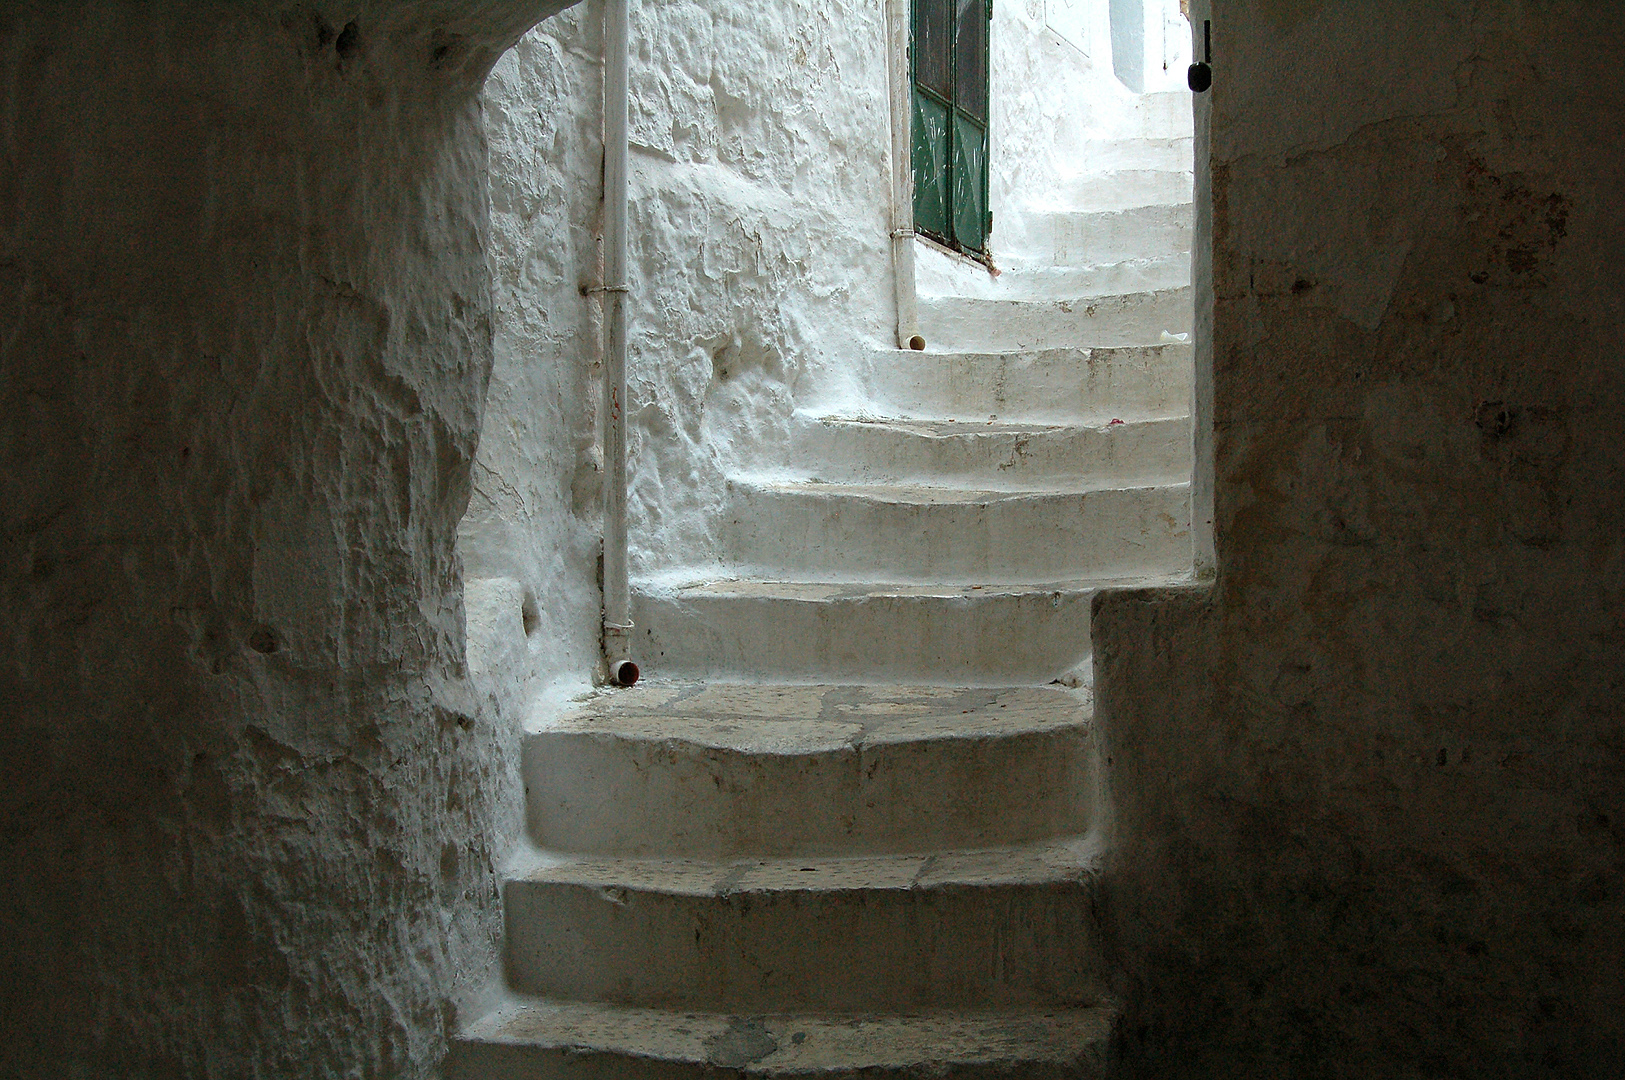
[(945, 427), (916, 493), (1065, 304), (690, 583), (1043, 863), (777, 718), (1034, 356), (798, 1044), (1042, 210)]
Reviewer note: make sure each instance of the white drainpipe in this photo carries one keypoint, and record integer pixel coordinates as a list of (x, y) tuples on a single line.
[(617, 592), (902, 179)]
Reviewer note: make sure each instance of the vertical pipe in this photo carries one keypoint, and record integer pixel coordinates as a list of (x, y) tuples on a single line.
[(902, 177), (617, 592)]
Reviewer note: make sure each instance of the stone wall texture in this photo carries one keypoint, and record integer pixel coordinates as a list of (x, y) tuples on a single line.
[(245, 334), (1370, 785), (530, 539)]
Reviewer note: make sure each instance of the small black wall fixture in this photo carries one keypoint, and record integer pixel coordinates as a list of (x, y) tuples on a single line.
[(1200, 75)]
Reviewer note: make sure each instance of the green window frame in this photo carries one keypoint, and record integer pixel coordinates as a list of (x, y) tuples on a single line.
[(948, 73)]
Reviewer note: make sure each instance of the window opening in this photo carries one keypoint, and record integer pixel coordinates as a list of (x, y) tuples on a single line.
[(949, 72)]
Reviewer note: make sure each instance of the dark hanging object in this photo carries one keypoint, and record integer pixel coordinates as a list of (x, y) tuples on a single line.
[(1200, 75)]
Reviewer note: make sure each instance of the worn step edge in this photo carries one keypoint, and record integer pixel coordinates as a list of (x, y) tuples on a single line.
[(741, 625), (940, 492), (751, 582), (533, 1039), (996, 928), (991, 453), (678, 713), (682, 768), (958, 427), (1073, 859), (1090, 304)]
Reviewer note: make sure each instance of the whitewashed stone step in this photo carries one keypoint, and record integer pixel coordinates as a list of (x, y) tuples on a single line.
[(1036, 276), (552, 1040), (1030, 281), (929, 532), (996, 454), (970, 324), (1061, 385), (896, 933), (1163, 114), (1096, 238), (807, 631), (722, 771), (1119, 189), (1168, 152)]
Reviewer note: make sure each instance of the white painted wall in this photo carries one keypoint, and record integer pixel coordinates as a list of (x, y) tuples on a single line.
[(1151, 44), (529, 541), (759, 270), (758, 259)]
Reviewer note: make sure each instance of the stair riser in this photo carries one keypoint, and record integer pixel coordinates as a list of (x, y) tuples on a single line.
[(1149, 452), (1035, 277), (1121, 189), (470, 1060), (967, 325), (1045, 537), (614, 795), (1174, 152), (849, 950), (1035, 280), (1165, 114), (1096, 238), (1058, 385), (946, 641), (493, 1061)]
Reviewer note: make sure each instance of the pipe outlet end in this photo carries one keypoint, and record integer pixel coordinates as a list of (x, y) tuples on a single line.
[(623, 673), (917, 343)]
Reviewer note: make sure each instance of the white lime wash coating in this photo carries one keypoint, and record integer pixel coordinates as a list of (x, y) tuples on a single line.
[(861, 574)]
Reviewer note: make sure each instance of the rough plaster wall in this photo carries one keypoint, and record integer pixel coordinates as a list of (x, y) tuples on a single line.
[(1048, 100), (1371, 788), (531, 537), (760, 254), (760, 275), (245, 331), (759, 262)]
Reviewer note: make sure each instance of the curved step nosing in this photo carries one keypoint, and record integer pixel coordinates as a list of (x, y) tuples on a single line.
[(886, 874)]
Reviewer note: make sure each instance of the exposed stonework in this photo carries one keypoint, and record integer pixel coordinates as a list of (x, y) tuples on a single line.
[(245, 331), (1368, 787)]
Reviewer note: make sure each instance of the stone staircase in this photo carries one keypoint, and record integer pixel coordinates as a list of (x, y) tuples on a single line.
[(849, 828)]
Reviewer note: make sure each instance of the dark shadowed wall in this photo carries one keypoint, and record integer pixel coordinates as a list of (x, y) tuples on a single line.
[(1371, 785), (247, 801)]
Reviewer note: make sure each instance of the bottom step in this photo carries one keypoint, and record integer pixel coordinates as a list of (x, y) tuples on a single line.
[(537, 1040)]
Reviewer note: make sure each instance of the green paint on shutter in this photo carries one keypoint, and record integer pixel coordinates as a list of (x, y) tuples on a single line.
[(949, 57), (970, 183), (931, 170)]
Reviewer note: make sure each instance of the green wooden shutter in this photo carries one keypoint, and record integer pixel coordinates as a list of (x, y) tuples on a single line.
[(949, 66)]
